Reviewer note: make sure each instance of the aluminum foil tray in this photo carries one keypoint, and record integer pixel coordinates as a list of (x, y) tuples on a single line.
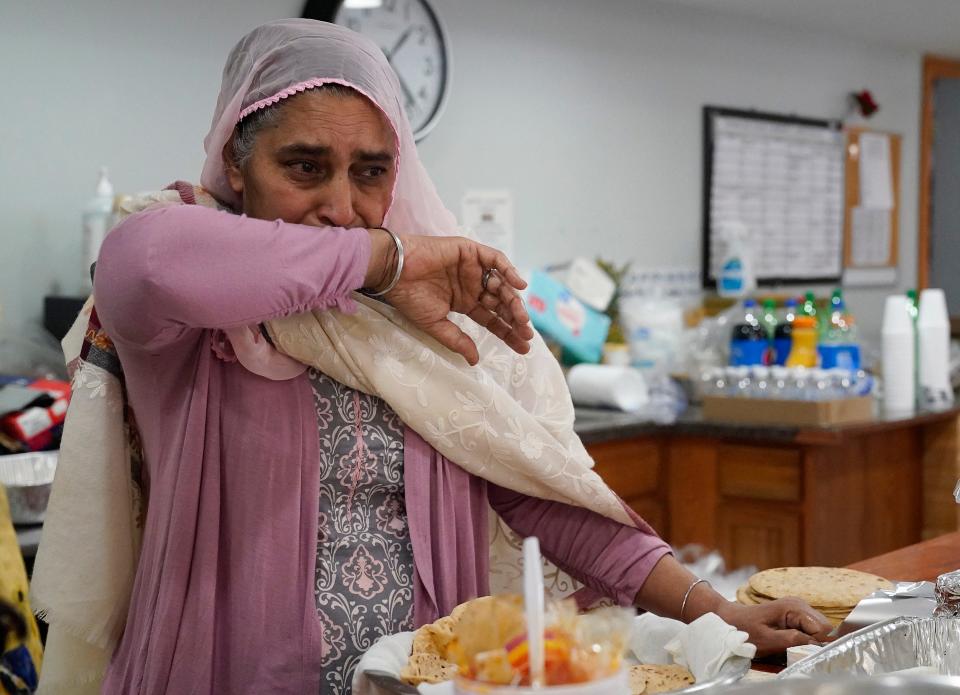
[(892, 645), (28, 479), (850, 685)]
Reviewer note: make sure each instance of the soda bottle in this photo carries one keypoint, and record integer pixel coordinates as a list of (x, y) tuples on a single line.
[(838, 340), (803, 352), (748, 343), (769, 319), (810, 306), (781, 337)]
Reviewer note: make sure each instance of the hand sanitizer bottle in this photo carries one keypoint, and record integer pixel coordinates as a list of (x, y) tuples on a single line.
[(97, 220)]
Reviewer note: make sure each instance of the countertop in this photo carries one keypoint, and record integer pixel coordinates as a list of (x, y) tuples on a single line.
[(924, 561), (596, 425)]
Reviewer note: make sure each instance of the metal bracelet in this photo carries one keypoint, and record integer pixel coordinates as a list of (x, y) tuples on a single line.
[(396, 273), (687, 595)]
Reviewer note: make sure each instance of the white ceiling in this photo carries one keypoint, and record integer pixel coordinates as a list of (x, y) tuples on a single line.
[(930, 26)]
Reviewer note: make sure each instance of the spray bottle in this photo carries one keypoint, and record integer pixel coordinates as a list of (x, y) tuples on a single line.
[(97, 220)]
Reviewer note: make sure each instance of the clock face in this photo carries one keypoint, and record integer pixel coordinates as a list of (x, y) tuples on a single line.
[(410, 36)]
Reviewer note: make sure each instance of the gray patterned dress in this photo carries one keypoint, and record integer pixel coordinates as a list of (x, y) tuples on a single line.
[(364, 575)]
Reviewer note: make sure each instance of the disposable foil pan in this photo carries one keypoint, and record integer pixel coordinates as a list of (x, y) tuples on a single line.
[(851, 685), (892, 645), (28, 479)]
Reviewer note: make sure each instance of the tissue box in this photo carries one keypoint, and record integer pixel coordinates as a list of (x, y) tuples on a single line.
[(560, 316), (588, 283)]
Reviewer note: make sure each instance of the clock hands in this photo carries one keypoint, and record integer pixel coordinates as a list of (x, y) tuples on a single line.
[(396, 47), (406, 90)]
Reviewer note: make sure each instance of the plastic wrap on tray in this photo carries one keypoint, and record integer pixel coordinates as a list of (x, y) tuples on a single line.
[(892, 645), (948, 595), (489, 643)]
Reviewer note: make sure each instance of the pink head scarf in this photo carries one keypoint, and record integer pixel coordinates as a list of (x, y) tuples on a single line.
[(282, 58), (285, 57)]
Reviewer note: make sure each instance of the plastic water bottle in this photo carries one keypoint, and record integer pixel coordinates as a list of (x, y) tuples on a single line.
[(786, 383), (821, 386), (863, 383), (748, 343), (838, 337), (778, 382), (740, 383), (713, 382), (782, 335), (760, 382), (799, 385)]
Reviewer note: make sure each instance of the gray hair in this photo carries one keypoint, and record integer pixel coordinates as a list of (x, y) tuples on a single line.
[(245, 134)]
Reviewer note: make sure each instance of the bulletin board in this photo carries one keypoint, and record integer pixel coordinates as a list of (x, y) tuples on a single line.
[(871, 206), (782, 178)]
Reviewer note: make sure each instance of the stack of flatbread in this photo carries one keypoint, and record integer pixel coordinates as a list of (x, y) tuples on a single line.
[(645, 679), (832, 591), (428, 662)]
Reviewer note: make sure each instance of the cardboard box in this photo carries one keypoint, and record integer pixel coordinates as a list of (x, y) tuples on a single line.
[(767, 411)]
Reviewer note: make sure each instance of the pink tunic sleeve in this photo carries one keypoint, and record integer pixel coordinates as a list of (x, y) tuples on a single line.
[(612, 559), (167, 270)]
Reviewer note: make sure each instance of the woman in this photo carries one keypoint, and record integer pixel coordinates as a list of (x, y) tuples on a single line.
[(292, 520)]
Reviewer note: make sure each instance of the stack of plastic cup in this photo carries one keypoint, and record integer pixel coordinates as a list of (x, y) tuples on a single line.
[(933, 343), (899, 395)]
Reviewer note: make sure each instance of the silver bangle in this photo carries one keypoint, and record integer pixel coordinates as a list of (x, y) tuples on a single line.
[(687, 595), (396, 274)]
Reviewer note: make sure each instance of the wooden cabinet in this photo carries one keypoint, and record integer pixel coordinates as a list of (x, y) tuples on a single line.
[(824, 497), (633, 468), (759, 473), (758, 534)]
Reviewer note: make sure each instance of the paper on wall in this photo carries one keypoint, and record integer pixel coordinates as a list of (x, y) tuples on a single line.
[(871, 237), (488, 217), (876, 172)]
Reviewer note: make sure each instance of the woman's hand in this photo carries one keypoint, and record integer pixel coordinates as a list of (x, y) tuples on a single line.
[(774, 626), (444, 274), (673, 592)]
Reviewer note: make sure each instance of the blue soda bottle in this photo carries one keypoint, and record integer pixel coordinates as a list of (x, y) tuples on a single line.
[(782, 338), (748, 343)]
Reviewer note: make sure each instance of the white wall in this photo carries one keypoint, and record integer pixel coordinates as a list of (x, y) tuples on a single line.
[(589, 111)]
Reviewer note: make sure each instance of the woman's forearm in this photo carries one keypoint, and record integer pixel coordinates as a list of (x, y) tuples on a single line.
[(185, 266), (667, 584), (611, 559)]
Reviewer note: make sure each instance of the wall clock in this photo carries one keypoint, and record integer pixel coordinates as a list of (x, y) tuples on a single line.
[(412, 38)]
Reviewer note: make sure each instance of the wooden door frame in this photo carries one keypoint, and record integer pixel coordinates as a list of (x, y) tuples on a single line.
[(934, 68)]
